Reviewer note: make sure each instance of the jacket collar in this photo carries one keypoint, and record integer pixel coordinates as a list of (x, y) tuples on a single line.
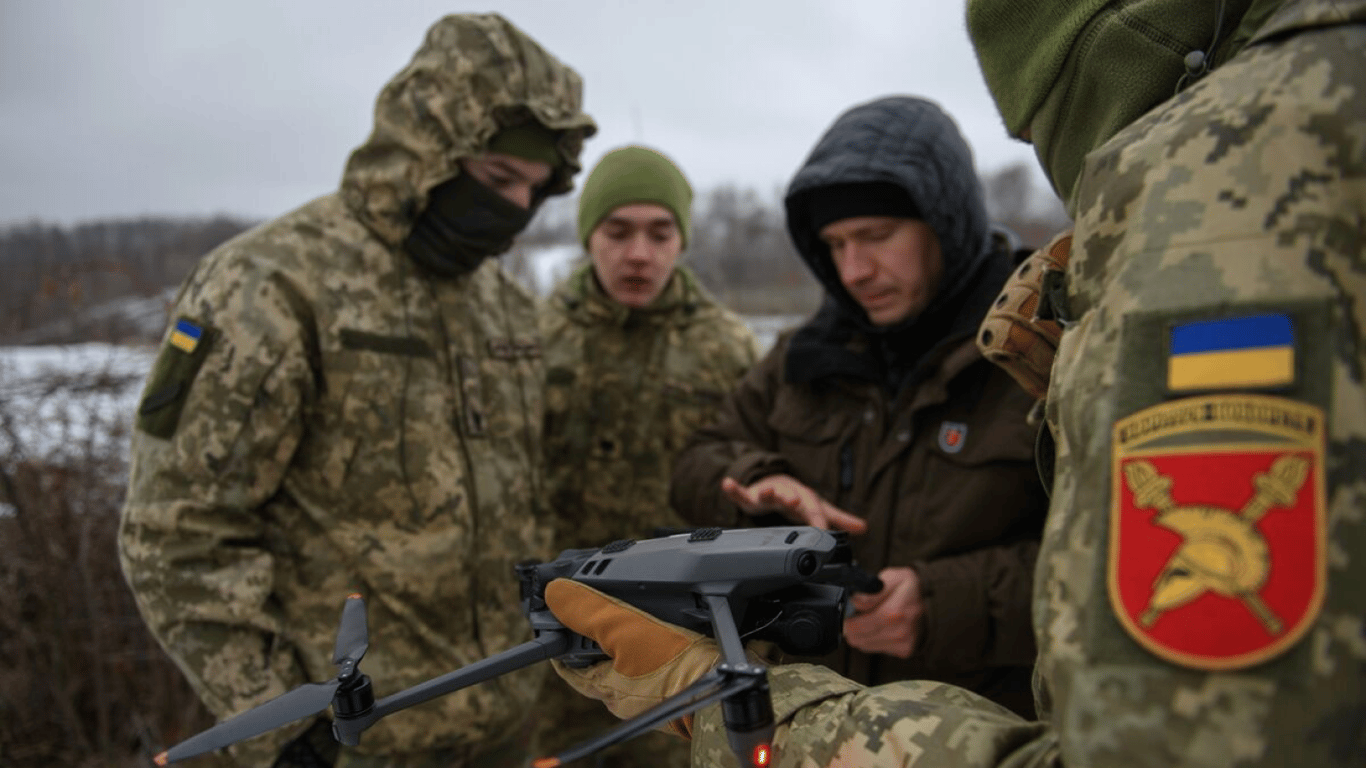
[(1298, 15), (585, 300)]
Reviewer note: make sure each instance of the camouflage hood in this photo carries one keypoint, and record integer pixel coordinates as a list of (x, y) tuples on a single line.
[(584, 300), (474, 75)]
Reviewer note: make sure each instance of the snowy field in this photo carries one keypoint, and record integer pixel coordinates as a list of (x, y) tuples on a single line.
[(63, 402), (767, 328)]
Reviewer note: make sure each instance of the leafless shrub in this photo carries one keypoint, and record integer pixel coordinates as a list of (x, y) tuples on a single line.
[(83, 683)]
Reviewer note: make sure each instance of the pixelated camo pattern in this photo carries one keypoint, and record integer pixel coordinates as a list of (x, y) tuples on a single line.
[(358, 425), (626, 388), (473, 75), (1249, 188)]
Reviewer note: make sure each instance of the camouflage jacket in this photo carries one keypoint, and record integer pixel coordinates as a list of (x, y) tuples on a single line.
[(327, 418), (625, 389), (1205, 609)]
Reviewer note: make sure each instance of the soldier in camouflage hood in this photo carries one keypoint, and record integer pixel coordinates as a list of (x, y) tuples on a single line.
[(1199, 597), (638, 355), (349, 400)]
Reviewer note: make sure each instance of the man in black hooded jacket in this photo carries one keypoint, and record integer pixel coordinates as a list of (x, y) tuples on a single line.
[(880, 417)]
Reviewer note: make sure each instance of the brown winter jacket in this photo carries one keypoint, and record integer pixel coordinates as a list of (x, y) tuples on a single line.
[(967, 518), (904, 425)]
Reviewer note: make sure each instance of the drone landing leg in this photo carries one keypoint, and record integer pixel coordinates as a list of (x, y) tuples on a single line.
[(748, 713)]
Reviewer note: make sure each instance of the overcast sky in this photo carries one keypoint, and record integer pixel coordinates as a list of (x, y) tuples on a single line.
[(250, 107)]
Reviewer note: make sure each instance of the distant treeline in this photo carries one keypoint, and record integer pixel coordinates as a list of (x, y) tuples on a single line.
[(55, 276), (739, 249), (60, 280)]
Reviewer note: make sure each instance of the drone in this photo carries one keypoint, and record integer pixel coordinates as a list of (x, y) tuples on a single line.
[(787, 585)]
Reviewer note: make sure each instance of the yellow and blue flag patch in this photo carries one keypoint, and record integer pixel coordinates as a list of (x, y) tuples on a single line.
[(186, 335), (1254, 352)]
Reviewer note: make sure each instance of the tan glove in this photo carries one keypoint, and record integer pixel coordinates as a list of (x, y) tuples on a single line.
[(1012, 334), (651, 659)]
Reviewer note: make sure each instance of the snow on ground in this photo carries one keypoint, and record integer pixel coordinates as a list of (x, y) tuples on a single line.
[(552, 264), (64, 402), (767, 328)]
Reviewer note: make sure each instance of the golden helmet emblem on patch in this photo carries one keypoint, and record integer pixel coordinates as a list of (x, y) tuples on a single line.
[(1222, 552)]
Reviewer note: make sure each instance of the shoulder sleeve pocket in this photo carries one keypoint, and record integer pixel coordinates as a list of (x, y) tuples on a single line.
[(169, 383)]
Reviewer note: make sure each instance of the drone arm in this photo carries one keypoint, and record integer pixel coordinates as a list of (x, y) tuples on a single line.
[(546, 645)]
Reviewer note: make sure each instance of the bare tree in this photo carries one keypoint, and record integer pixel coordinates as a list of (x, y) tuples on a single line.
[(1015, 202)]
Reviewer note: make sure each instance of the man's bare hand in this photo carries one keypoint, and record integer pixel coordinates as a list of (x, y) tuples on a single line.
[(788, 496), (889, 621)]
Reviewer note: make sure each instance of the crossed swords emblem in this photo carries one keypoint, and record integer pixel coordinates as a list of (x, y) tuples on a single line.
[(1222, 552)]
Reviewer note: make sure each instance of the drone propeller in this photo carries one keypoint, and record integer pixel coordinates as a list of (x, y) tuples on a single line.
[(305, 701), (353, 638)]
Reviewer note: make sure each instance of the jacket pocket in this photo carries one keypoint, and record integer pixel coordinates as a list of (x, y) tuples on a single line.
[(980, 486), (687, 408), (801, 419), (808, 436), (387, 446), (169, 383)]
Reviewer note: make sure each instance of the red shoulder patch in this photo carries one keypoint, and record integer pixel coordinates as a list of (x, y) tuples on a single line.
[(1218, 527)]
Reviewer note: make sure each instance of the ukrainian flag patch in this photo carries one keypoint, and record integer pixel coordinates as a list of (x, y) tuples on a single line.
[(185, 336), (1253, 352)]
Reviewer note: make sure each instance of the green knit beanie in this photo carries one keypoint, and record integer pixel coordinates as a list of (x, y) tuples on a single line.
[(529, 141), (634, 175)]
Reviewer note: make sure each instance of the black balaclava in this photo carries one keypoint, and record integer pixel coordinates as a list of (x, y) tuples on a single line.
[(464, 223)]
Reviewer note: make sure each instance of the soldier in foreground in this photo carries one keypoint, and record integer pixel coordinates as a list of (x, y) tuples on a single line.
[(638, 355), (347, 395), (1199, 597), (879, 415)]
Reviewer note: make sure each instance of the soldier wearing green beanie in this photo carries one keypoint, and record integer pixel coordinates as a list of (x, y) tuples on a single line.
[(638, 355), (634, 175)]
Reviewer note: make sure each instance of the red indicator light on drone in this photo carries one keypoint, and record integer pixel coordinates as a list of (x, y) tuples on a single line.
[(762, 754)]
